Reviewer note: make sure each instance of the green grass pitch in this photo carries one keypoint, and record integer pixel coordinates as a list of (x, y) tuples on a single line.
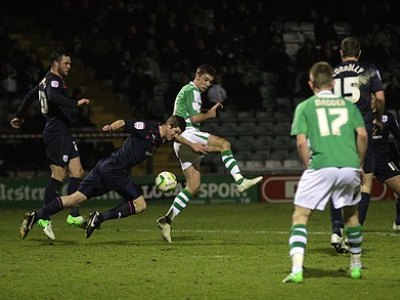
[(225, 251)]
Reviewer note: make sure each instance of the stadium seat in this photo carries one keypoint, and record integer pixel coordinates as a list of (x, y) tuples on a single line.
[(264, 128), (260, 155), (254, 165), (293, 164), (210, 127), (282, 128), (227, 129), (280, 154), (264, 116), (245, 116), (291, 26), (246, 129), (244, 143), (227, 116), (283, 115), (281, 142), (243, 155), (262, 143), (273, 165)]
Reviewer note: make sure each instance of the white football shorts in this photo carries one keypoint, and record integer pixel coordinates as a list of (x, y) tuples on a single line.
[(185, 155), (317, 187)]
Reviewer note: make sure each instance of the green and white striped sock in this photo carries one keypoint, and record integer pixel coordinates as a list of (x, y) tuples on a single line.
[(179, 204), (297, 245), (232, 166), (355, 237)]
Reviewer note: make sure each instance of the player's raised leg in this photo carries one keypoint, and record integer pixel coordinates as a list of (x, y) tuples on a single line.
[(216, 143)]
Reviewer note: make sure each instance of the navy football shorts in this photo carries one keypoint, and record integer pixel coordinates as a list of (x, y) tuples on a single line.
[(369, 161), (60, 149), (385, 170), (109, 176)]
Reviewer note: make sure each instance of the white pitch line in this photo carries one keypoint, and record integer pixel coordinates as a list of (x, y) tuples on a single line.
[(376, 233)]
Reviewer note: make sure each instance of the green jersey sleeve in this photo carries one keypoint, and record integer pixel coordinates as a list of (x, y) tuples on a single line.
[(188, 103), (299, 124), (358, 120)]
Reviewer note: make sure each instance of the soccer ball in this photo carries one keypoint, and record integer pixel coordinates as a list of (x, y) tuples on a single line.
[(166, 181)]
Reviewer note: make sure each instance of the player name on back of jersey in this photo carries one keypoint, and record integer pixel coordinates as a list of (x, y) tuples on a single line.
[(330, 102), (348, 68)]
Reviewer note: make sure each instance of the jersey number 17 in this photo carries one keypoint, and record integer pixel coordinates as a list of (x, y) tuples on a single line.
[(329, 125)]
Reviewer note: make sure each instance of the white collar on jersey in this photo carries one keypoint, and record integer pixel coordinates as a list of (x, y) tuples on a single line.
[(326, 93)]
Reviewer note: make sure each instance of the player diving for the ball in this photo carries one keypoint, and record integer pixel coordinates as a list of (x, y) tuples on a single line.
[(111, 173)]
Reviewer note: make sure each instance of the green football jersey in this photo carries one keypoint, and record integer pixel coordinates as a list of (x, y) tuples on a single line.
[(329, 122), (188, 103)]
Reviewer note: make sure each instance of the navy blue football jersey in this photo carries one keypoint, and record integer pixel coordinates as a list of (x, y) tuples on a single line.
[(356, 81), (381, 137), (55, 104), (143, 141)]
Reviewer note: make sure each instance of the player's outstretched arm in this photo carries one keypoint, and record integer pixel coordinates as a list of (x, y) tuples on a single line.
[(16, 122), (115, 126), (83, 101), (210, 114)]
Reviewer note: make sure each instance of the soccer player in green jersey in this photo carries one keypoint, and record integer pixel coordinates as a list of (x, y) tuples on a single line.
[(331, 142), (188, 105)]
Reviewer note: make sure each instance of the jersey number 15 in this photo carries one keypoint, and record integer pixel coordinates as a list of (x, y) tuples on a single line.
[(347, 87)]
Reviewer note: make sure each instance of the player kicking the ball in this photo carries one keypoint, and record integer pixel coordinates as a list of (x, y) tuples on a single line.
[(335, 132), (188, 106)]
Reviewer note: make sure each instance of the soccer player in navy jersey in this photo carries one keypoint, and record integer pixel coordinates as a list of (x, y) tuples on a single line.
[(61, 150), (386, 171), (357, 81), (111, 173)]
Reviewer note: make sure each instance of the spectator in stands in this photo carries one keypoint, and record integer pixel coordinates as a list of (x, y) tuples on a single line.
[(324, 30), (81, 117), (247, 96), (216, 93), (279, 62), (267, 91), (9, 80), (171, 59), (306, 56), (329, 53), (172, 90)]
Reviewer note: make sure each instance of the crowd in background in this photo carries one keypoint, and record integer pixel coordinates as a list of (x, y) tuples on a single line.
[(137, 45)]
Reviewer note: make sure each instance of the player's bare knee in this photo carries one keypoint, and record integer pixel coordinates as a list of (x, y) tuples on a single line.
[(225, 145)]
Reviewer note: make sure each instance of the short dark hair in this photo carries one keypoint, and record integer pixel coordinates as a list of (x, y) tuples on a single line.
[(321, 74), (57, 55), (350, 46), (176, 121), (205, 69)]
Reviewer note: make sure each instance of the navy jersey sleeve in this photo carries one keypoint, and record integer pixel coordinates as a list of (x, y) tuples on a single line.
[(53, 91), (394, 127), (376, 80), (31, 96), (138, 128)]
